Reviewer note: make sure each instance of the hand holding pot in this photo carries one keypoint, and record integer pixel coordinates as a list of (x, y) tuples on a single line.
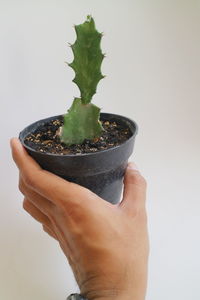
[(106, 245)]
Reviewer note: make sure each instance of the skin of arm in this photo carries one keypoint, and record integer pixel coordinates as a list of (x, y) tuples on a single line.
[(106, 245)]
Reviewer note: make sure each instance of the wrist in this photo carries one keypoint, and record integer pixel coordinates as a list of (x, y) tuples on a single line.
[(117, 295)]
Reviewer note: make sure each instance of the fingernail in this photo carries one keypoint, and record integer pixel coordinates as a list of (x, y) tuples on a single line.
[(133, 166)]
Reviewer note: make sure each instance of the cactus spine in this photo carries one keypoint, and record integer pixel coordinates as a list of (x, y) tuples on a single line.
[(82, 119)]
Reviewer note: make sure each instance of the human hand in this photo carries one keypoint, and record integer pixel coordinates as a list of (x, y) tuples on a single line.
[(105, 244)]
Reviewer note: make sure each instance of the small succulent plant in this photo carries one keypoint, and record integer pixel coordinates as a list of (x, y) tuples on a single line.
[(82, 119)]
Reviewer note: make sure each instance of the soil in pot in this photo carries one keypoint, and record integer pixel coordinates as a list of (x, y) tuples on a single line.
[(45, 139)]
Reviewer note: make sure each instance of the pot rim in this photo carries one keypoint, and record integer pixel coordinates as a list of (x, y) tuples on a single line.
[(83, 154)]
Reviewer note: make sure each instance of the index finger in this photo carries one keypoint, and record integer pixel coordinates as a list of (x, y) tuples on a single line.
[(45, 183)]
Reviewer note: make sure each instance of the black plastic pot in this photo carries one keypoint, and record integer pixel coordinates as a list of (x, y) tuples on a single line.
[(102, 172)]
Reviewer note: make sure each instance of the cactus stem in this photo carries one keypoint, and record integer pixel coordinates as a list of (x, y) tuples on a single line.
[(82, 120)]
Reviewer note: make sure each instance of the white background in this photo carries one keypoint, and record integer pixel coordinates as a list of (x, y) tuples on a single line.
[(153, 76)]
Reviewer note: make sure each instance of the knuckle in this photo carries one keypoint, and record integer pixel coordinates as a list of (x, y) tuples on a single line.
[(75, 211), (44, 227), (48, 230), (21, 187), (138, 179), (25, 204), (29, 179), (142, 181)]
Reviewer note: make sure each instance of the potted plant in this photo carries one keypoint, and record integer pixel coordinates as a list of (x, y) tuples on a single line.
[(84, 146)]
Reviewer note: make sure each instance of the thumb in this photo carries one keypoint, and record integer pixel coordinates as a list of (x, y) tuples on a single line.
[(134, 194)]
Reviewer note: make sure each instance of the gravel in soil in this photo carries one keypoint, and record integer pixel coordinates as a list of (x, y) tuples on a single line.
[(46, 140)]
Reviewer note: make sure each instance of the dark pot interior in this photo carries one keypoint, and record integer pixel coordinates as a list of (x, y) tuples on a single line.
[(102, 172)]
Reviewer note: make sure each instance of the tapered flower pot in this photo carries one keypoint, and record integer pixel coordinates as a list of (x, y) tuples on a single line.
[(102, 172)]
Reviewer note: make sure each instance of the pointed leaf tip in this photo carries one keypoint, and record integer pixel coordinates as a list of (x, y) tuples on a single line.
[(89, 17)]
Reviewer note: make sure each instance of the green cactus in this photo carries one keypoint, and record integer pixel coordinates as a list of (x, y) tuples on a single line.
[(82, 119)]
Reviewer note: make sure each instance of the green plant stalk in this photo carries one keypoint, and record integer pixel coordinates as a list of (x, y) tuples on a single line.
[(82, 119)]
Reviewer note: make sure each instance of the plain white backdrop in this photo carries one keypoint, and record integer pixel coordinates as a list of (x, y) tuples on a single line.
[(153, 77)]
